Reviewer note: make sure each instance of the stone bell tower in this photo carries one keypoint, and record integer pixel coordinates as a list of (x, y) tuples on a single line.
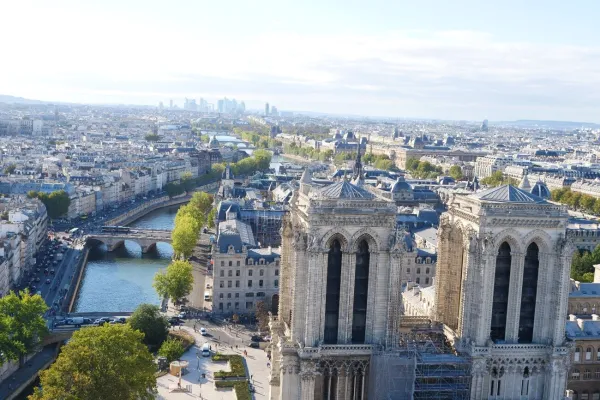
[(502, 286)]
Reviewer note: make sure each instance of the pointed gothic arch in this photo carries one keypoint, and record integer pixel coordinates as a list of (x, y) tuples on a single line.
[(501, 287), (332, 293), (361, 290)]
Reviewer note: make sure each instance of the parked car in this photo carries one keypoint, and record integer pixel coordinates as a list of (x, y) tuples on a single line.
[(174, 321), (203, 331), (182, 315), (254, 345), (256, 338), (102, 321)]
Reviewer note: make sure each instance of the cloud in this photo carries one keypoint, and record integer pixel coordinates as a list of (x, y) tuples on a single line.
[(451, 74)]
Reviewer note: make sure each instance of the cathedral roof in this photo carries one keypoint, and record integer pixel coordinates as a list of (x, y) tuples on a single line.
[(508, 194), (344, 190)]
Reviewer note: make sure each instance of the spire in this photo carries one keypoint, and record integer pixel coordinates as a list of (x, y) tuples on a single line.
[(525, 185), (357, 170), (306, 177)]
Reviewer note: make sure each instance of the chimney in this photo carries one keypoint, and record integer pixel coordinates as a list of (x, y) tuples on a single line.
[(595, 317), (581, 323), (572, 317)]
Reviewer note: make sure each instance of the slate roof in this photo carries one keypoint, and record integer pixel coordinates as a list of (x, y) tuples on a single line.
[(508, 194), (590, 330), (344, 190)]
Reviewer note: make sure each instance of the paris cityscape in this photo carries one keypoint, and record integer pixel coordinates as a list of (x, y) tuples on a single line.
[(356, 203)]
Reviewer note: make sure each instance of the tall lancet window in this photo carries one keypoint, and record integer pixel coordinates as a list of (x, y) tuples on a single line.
[(500, 300), (361, 288), (332, 297), (528, 294)]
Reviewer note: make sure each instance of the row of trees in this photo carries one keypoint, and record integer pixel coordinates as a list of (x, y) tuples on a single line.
[(577, 201), (423, 169), (379, 161), (189, 221), (260, 138), (22, 325), (497, 179), (111, 361), (57, 203), (308, 152), (582, 265)]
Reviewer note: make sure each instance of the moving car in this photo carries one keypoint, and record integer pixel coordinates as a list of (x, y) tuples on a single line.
[(256, 338), (205, 350), (203, 331), (182, 315), (174, 321)]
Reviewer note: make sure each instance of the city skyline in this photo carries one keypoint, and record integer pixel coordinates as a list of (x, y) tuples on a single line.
[(468, 62)]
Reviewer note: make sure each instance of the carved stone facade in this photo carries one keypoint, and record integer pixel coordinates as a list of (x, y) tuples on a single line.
[(512, 327)]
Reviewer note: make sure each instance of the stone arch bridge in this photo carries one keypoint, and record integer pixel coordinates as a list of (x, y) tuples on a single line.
[(146, 238)]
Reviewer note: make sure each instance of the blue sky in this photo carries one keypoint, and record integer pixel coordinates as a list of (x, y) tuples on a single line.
[(427, 59)]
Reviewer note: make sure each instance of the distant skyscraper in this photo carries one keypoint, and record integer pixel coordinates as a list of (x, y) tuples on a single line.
[(274, 111), (160, 105), (266, 108), (484, 125), (171, 103)]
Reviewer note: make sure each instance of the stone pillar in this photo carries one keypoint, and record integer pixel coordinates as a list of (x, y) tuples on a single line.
[(541, 328), (381, 297), (561, 292), (312, 294), (299, 292), (371, 295), (289, 378), (513, 311), (477, 378), (488, 264), (308, 387), (394, 301), (346, 298), (341, 384)]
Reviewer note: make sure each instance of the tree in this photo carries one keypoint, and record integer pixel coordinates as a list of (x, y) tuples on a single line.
[(263, 159), (152, 137), (57, 203), (22, 324), (456, 172), (105, 362), (187, 181), (202, 201), (10, 168), (32, 194), (173, 189), (184, 236), (190, 214), (383, 164), (212, 216), (172, 349), (176, 281), (262, 315), (147, 319)]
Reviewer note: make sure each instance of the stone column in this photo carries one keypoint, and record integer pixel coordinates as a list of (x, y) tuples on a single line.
[(299, 292), (515, 289), (312, 294), (381, 297), (488, 264), (346, 296), (341, 384), (308, 387), (561, 292), (394, 302), (541, 330), (289, 378), (371, 295)]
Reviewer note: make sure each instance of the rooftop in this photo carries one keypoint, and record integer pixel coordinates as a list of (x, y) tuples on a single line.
[(508, 194), (344, 190)]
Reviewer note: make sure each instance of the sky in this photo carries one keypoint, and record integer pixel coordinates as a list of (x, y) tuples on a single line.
[(461, 59)]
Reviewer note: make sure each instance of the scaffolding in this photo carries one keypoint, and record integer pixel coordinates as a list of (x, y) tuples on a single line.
[(421, 366)]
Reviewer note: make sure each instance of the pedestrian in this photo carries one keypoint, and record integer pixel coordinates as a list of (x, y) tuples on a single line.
[(268, 365), (251, 378)]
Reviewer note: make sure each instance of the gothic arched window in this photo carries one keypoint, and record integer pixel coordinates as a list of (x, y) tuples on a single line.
[(501, 285), (332, 296), (361, 288), (528, 293)]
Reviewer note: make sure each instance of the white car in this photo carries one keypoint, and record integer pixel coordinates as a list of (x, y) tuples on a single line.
[(203, 331)]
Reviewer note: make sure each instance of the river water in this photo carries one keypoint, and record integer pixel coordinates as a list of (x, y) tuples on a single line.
[(121, 280)]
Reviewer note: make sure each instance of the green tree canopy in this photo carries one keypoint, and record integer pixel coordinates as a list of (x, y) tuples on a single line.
[(147, 319), (497, 179), (10, 168), (105, 362), (22, 324), (456, 172), (57, 203), (152, 137), (212, 216), (422, 169), (174, 189), (187, 181), (202, 201), (184, 236), (172, 349), (176, 281)]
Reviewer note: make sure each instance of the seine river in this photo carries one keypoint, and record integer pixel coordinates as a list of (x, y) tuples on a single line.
[(122, 279)]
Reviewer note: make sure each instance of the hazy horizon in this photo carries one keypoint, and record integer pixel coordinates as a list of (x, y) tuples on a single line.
[(459, 61)]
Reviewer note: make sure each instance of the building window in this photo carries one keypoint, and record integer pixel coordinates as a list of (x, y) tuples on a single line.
[(500, 297), (529, 293), (260, 283), (585, 396), (276, 272), (419, 260), (596, 396), (418, 270), (228, 295), (237, 305), (220, 295), (237, 283), (250, 283), (428, 260), (237, 272), (588, 353), (250, 261), (237, 263), (222, 263), (249, 305), (587, 374), (277, 263), (260, 294), (261, 261), (598, 354), (229, 273), (222, 273), (408, 270), (237, 296), (577, 355), (261, 272), (221, 283), (228, 306), (575, 374), (249, 294), (228, 283), (230, 263), (221, 306), (249, 272), (276, 283), (427, 281), (427, 270), (418, 280)]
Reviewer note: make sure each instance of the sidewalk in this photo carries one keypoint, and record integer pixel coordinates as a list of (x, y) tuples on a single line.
[(29, 370), (256, 363)]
